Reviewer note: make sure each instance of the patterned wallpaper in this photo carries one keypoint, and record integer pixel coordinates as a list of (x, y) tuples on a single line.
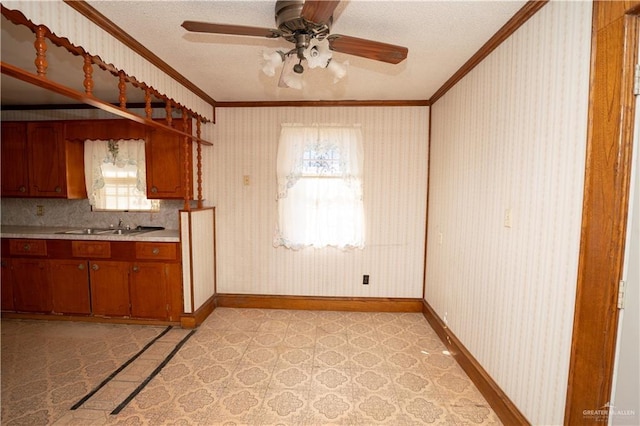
[(395, 179), (510, 140)]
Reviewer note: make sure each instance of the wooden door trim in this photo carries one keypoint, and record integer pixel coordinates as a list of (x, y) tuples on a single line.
[(604, 215)]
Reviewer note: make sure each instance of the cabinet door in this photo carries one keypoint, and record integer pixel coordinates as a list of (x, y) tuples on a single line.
[(82, 130), (165, 158), (47, 160), (148, 287), (70, 286), (6, 286), (109, 288), (31, 288), (15, 172)]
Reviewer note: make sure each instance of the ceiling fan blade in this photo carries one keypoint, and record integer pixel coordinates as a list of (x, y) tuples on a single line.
[(370, 49), (319, 11), (208, 27)]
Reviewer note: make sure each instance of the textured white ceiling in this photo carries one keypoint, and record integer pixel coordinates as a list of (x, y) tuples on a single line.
[(441, 37)]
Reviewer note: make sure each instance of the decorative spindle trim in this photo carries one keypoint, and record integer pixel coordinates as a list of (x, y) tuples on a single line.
[(122, 89), (147, 103), (88, 74), (41, 51), (187, 165), (199, 159), (169, 112)]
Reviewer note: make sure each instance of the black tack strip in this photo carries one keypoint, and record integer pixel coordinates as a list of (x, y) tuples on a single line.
[(154, 373), (122, 367)]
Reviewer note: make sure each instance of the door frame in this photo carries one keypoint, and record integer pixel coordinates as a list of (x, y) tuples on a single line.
[(605, 208)]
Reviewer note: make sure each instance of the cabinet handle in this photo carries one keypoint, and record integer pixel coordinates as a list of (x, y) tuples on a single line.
[(58, 189), (81, 266), (155, 250), (22, 189), (95, 267), (154, 189), (136, 268), (26, 247)]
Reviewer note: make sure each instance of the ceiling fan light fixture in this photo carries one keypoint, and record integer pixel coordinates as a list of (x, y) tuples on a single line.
[(318, 53), (271, 62), (288, 77), (298, 68), (315, 52), (339, 70)]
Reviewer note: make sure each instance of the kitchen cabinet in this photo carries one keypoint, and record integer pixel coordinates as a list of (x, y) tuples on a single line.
[(69, 286), (108, 278), (148, 291), (6, 286), (15, 172), (55, 166), (38, 162), (82, 130), (125, 279), (165, 158), (46, 158), (109, 288), (28, 275), (155, 282), (31, 288)]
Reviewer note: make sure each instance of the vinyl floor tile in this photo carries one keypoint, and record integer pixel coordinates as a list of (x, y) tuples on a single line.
[(241, 367)]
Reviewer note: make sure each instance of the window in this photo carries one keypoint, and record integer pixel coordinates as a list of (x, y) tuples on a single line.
[(115, 175), (319, 173)]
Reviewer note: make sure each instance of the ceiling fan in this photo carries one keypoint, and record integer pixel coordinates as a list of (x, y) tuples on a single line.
[(307, 24)]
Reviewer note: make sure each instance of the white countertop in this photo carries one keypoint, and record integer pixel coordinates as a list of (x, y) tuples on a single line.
[(57, 233)]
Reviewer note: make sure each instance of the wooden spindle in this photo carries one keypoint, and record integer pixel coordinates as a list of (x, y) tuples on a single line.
[(122, 88), (147, 103), (88, 74), (187, 164), (41, 51), (167, 108), (199, 157)]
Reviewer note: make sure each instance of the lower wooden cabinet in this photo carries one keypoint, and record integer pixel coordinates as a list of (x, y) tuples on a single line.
[(69, 286), (31, 288), (148, 290), (109, 288), (6, 286), (123, 279)]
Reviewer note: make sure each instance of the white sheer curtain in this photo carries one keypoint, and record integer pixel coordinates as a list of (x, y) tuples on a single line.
[(319, 174), (119, 164)]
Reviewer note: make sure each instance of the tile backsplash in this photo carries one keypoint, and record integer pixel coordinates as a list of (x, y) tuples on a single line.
[(72, 213)]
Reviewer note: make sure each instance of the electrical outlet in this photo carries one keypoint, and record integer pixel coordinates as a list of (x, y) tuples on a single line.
[(365, 280), (39, 210), (507, 218)]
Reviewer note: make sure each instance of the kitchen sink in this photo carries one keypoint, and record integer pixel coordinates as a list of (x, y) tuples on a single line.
[(105, 231), (89, 231)]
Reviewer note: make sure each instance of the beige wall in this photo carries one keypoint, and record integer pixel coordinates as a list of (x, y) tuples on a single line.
[(395, 144), (512, 135)]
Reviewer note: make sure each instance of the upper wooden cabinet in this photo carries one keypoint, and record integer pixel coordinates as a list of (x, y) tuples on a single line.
[(56, 166), (165, 163), (37, 161), (82, 130), (15, 171), (46, 158)]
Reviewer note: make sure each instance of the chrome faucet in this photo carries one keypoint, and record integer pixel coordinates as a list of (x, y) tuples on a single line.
[(120, 223)]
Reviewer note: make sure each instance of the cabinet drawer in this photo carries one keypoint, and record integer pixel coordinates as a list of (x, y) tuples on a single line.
[(159, 251), (93, 249), (28, 247)]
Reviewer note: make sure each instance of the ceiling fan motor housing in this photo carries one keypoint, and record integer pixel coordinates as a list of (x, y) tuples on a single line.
[(290, 21)]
